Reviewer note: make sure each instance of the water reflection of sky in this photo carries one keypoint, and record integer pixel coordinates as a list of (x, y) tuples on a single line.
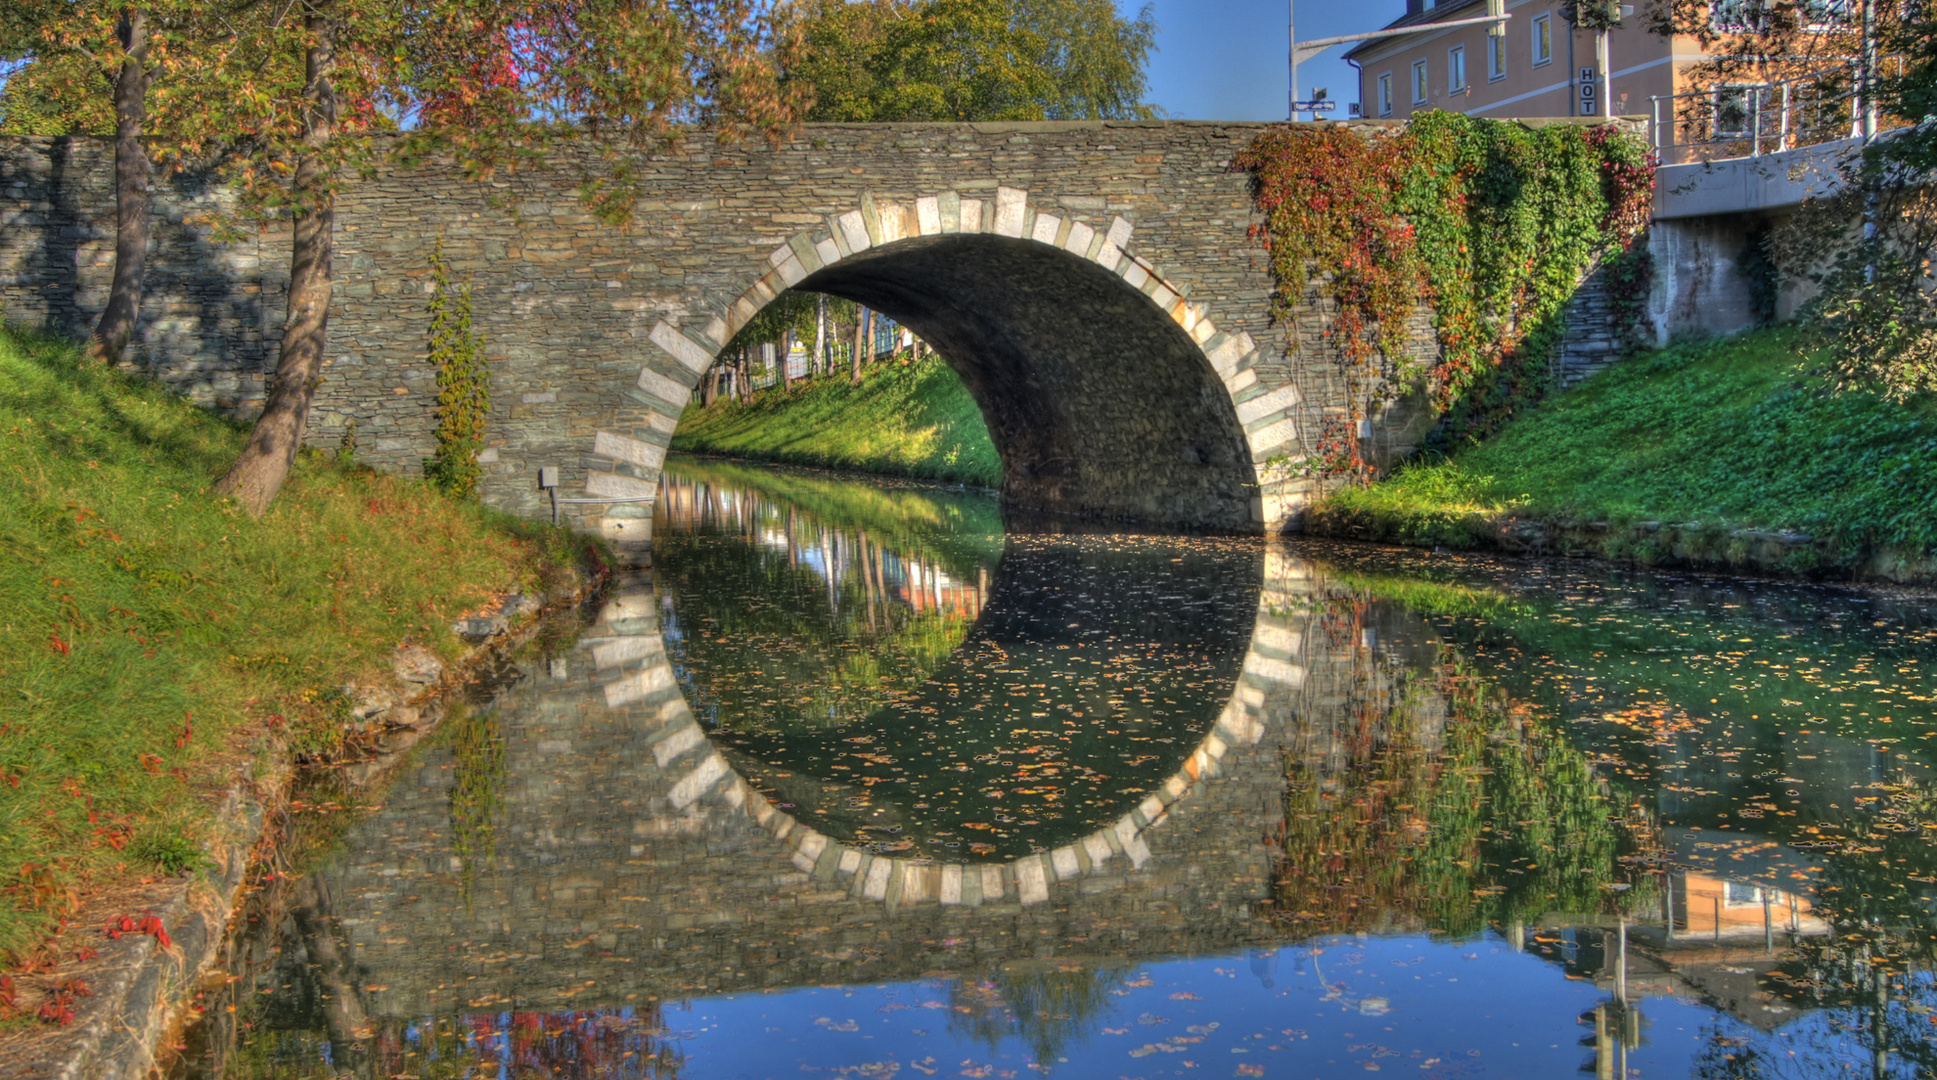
[(1339, 1007)]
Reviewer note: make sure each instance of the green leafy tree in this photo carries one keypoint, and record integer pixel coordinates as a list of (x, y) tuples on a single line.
[(958, 60)]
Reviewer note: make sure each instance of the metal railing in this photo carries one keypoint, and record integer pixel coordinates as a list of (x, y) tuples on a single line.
[(1744, 119)]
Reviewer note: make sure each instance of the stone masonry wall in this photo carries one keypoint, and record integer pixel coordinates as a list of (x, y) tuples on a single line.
[(596, 334)]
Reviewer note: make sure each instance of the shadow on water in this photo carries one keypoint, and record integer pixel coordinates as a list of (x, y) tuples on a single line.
[(1458, 817)]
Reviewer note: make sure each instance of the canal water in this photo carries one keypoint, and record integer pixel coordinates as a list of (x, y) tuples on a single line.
[(856, 784)]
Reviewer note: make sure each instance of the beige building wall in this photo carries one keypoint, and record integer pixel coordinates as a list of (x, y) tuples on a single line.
[(1525, 84)]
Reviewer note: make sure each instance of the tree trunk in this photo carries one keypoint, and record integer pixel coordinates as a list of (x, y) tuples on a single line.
[(818, 362), (786, 354), (711, 392), (264, 464), (344, 1018), (131, 172), (863, 342)]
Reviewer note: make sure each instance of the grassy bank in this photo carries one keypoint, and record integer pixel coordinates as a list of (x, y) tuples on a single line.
[(913, 420), (1722, 435), (154, 640)]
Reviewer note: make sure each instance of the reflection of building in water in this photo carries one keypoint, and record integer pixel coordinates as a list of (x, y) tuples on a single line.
[(1715, 908), (1738, 886), (884, 572), (1715, 940)]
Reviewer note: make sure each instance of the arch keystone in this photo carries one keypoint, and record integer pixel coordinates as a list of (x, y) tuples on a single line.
[(1010, 206), (1080, 237)]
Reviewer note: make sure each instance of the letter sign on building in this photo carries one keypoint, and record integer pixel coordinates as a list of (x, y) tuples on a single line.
[(1589, 89)]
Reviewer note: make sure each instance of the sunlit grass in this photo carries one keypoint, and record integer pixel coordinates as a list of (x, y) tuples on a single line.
[(153, 640), (1737, 433), (913, 420)]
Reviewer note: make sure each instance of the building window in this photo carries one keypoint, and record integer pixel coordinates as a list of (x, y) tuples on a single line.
[(1385, 94), (1741, 893), (1543, 39), (1496, 58), (1419, 86), (1456, 69), (1736, 109)]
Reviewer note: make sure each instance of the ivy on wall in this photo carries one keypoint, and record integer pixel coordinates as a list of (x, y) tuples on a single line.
[(463, 386), (1491, 223)]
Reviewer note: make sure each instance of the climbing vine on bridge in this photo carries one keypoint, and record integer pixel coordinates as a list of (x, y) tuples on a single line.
[(463, 385), (1491, 223)]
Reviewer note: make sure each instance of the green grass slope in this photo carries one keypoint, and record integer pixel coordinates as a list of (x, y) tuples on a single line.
[(153, 640), (903, 420), (1735, 433)]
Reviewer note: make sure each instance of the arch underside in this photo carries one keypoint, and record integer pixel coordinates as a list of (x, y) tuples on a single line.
[(1098, 402)]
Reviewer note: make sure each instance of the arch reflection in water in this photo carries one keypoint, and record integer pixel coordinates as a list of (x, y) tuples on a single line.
[(1484, 848), (893, 678)]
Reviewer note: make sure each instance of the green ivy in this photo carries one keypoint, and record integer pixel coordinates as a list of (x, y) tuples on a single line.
[(1491, 223), (463, 386)]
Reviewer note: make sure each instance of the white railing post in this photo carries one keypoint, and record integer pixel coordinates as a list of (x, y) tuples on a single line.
[(1782, 138)]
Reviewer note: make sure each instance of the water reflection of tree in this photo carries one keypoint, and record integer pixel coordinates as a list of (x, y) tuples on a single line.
[(477, 773), (958, 530), (783, 648), (1050, 1006), (1452, 805)]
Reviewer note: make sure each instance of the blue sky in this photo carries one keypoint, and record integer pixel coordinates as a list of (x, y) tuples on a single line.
[(1225, 59)]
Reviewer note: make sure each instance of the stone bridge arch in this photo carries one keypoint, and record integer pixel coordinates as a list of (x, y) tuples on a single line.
[(1149, 213), (1106, 391)]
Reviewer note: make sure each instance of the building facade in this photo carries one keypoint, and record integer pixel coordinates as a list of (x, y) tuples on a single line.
[(1542, 66)]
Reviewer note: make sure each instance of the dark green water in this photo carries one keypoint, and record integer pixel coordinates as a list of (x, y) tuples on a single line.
[(855, 783)]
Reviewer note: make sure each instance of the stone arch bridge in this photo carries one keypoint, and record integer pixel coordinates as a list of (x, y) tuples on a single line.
[(1095, 284)]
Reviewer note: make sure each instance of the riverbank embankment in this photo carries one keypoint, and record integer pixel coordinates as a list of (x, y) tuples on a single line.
[(1725, 454), (167, 657), (914, 419)]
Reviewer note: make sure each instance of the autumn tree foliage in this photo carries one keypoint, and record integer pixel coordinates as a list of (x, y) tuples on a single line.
[(489, 84)]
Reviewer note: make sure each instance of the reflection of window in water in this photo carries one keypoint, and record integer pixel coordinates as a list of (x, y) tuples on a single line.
[(1739, 893)]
